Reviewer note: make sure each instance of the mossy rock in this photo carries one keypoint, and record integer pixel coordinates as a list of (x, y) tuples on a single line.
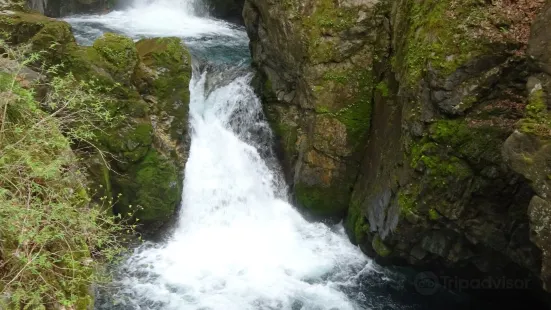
[(20, 27), (128, 142), (441, 36), (166, 76), (13, 5), (120, 54), (478, 144), (151, 191), (167, 53), (537, 120), (355, 223), (322, 202), (144, 167), (380, 247), (54, 41)]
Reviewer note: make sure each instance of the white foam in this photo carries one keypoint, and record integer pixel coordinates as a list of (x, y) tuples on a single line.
[(161, 18)]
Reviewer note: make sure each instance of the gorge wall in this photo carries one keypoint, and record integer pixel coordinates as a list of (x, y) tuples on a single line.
[(423, 123)]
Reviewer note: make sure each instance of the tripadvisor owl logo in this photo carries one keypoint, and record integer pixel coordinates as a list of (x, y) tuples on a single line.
[(428, 283)]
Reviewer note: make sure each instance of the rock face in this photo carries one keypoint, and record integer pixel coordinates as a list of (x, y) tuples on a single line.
[(59, 8), (226, 9), (528, 150), (317, 60), (396, 113), (138, 160)]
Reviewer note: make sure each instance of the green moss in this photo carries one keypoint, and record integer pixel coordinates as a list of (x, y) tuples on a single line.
[(53, 41), (21, 27), (438, 37), (440, 170), (356, 88), (355, 223), (327, 17), (167, 53), (357, 119), (476, 144), (382, 88), (527, 159), (172, 63), (452, 132), (153, 184), (322, 110), (380, 247), (361, 229), (322, 50), (434, 215), (268, 85), (437, 165), (339, 77), (288, 135), (406, 202), (319, 201), (537, 119), (119, 52)]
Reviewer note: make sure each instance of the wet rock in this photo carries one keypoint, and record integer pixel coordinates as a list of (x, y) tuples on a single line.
[(230, 10), (540, 224), (60, 8)]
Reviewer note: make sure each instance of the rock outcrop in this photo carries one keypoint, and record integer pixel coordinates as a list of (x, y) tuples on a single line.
[(138, 160), (317, 61), (528, 150), (226, 9), (396, 113), (59, 8)]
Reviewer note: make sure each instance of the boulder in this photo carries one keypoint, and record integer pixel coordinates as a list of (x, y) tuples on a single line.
[(140, 153)]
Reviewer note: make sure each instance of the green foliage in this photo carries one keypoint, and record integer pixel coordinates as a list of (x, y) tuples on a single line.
[(52, 237)]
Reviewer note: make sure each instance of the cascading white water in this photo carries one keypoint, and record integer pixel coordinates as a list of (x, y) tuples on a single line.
[(238, 244)]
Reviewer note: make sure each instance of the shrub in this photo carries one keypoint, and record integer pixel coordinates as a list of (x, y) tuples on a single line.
[(53, 238)]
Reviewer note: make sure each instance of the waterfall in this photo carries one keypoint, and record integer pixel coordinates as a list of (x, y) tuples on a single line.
[(239, 244)]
